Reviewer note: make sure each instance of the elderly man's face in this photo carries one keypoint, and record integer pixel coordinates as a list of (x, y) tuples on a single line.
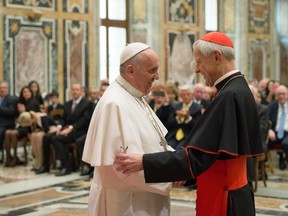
[(186, 95), (282, 94), (206, 67), (146, 72)]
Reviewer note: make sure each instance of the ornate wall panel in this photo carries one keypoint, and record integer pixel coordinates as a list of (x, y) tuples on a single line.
[(78, 6), (180, 56), (259, 15), (258, 59), (139, 12), (139, 35), (41, 4), (181, 11), (31, 54), (229, 15), (181, 33), (76, 53)]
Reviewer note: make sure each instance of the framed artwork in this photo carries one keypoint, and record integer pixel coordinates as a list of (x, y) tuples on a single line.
[(181, 11), (180, 66)]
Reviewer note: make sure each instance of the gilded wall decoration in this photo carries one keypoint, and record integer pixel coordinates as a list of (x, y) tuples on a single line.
[(76, 50), (180, 56), (71, 5), (43, 4), (258, 59), (31, 52), (139, 35), (259, 16), (229, 15), (139, 11), (181, 11)]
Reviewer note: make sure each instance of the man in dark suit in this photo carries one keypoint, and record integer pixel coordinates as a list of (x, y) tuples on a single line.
[(198, 93), (182, 118), (278, 116), (7, 111), (76, 118)]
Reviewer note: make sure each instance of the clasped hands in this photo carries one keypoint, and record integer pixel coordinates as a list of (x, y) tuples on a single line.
[(131, 163)]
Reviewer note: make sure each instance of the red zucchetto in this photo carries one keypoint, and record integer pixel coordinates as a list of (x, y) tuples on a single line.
[(218, 38)]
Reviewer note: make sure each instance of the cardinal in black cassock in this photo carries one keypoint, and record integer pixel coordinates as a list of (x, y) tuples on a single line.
[(225, 135)]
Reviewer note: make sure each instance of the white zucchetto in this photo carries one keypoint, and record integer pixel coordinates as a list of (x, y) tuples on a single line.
[(131, 50)]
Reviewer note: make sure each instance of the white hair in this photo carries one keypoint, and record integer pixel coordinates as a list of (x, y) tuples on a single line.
[(206, 48)]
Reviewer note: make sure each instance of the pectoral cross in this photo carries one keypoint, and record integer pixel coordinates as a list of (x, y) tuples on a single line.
[(163, 143)]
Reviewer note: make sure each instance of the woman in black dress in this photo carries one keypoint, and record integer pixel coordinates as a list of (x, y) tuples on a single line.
[(27, 102)]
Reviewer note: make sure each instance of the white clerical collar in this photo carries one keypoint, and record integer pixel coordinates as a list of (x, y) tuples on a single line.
[(225, 76), (126, 85)]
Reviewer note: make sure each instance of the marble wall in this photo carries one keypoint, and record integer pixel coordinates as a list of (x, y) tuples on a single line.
[(56, 42), (47, 41)]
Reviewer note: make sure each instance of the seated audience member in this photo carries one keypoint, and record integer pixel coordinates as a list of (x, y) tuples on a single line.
[(263, 114), (172, 94), (25, 103), (159, 102), (42, 123), (269, 92), (209, 93), (7, 112), (182, 118), (55, 110), (198, 94), (86, 169), (94, 95), (77, 114), (85, 92), (278, 116), (35, 88)]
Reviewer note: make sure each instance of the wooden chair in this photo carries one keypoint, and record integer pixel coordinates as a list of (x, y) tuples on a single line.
[(259, 161), (273, 147), (25, 142)]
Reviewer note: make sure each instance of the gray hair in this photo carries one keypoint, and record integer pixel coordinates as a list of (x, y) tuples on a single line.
[(206, 48), (135, 61)]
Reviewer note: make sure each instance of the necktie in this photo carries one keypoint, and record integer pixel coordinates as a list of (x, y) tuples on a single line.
[(280, 133), (74, 104), (180, 134)]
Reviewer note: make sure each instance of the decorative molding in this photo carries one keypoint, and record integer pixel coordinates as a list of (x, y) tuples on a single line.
[(181, 12), (36, 4), (31, 53)]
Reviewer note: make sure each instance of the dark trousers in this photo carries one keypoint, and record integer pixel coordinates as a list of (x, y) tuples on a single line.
[(61, 145), (80, 146), (284, 144), (2, 134)]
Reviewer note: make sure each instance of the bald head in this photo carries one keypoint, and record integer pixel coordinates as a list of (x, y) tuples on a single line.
[(281, 94)]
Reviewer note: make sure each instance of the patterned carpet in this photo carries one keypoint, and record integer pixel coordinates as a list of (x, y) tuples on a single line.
[(24, 193)]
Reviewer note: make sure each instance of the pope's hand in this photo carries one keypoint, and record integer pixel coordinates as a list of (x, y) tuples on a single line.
[(128, 163)]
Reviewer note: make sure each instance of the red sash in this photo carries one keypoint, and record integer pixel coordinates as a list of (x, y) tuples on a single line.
[(214, 184)]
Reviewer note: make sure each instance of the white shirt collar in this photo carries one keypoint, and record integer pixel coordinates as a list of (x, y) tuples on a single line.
[(78, 100)]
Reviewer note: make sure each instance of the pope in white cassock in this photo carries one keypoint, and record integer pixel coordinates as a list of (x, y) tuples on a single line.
[(123, 121)]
